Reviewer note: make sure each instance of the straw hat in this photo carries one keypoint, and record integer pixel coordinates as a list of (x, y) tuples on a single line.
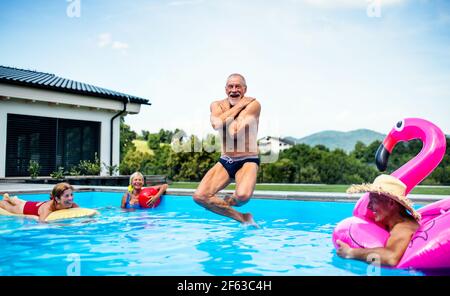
[(388, 186)]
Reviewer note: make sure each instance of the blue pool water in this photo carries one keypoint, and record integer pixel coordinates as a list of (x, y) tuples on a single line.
[(181, 238)]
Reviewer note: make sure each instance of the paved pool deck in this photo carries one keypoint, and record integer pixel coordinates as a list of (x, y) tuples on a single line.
[(20, 188)]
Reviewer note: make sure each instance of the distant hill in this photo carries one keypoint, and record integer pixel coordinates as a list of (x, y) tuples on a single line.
[(342, 140)]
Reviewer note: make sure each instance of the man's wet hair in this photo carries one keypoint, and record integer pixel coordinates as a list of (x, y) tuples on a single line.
[(238, 75)]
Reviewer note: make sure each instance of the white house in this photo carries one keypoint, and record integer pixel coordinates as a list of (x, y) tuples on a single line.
[(274, 144), (58, 122)]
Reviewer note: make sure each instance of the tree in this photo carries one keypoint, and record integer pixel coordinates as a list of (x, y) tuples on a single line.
[(189, 161), (280, 171), (159, 162), (145, 135), (134, 161), (366, 154), (126, 138), (162, 137), (153, 141), (309, 174)]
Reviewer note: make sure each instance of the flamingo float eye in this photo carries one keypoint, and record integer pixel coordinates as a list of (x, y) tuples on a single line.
[(399, 125)]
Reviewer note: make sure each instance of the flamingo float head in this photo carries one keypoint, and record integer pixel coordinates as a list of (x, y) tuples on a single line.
[(385, 149), (426, 161), (418, 168)]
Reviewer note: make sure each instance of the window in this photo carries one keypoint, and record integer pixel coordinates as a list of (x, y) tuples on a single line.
[(50, 141), (77, 140)]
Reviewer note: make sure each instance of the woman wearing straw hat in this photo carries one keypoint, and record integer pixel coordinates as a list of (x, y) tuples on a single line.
[(393, 211)]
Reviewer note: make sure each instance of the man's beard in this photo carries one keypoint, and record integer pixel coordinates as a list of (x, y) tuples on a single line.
[(234, 98)]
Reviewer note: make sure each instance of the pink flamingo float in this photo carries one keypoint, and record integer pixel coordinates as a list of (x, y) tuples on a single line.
[(430, 245)]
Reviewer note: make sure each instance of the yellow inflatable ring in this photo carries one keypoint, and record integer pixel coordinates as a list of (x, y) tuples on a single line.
[(57, 215)]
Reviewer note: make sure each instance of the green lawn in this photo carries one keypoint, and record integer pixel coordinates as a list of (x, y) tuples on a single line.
[(142, 146), (315, 188)]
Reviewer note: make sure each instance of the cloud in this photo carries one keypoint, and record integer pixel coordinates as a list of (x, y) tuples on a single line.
[(119, 45), (184, 2), (351, 4), (106, 40)]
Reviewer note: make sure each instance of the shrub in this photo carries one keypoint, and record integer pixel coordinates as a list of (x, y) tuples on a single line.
[(34, 169), (75, 171), (111, 169), (134, 161), (58, 174), (87, 167)]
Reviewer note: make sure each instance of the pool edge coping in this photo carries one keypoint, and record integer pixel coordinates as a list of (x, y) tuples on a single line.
[(258, 194)]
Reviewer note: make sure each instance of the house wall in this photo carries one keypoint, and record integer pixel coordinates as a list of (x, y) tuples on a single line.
[(38, 102), (273, 144), (39, 109)]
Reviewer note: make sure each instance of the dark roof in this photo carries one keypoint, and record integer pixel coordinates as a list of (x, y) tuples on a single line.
[(287, 141), (51, 81)]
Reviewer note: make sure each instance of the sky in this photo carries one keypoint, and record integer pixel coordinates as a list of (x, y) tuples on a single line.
[(314, 65)]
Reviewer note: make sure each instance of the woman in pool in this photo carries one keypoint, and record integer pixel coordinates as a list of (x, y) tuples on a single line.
[(130, 199), (392, 210), (60, 198)]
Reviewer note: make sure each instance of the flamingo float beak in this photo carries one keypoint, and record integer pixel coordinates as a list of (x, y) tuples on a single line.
[(382, 158), (384, 151)]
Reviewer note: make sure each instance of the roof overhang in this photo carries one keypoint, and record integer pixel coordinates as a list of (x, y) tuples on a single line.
[(35, 95)]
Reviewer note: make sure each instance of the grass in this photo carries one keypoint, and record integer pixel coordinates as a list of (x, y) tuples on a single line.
[(142, 146), (315, 188)]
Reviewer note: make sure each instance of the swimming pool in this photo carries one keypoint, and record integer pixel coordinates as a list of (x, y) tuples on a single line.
[(181, 238)]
